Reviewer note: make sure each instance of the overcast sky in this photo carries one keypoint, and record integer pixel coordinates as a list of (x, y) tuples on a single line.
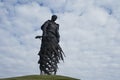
[(90, 37)]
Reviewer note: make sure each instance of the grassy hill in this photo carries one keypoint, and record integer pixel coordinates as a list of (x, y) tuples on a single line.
[(41, 77)]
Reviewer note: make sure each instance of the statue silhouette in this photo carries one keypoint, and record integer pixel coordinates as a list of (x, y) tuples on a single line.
[(50, 51)]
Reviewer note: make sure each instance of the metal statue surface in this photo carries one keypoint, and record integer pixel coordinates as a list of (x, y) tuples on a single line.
[(50, 51)]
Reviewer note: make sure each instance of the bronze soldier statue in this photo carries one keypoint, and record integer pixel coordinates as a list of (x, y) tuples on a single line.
[(50, 52)]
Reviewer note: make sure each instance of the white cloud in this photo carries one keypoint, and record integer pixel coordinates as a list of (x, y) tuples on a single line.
[(89, 37)]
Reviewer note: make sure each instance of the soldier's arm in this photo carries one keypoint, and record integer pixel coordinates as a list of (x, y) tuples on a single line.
[(57, 33), (44, 27)]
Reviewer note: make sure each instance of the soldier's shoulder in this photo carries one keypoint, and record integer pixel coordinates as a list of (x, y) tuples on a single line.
[(57, 24), (47, 21)]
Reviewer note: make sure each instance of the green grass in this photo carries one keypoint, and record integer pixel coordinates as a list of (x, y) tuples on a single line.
[(41, 77)]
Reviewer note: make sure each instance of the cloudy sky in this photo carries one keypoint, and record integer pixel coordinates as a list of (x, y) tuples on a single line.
[(90, 37)]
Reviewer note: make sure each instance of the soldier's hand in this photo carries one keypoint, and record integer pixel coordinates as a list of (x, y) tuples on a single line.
[(37, 37)]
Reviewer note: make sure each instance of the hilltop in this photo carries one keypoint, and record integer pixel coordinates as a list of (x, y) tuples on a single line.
[(40, 77)]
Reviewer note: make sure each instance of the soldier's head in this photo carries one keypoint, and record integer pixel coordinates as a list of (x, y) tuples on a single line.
[(54, 17)]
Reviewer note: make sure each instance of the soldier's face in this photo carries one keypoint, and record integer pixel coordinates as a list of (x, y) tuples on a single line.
[(54, 18)]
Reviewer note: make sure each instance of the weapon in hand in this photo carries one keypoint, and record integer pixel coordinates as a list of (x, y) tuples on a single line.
[(38, 37)]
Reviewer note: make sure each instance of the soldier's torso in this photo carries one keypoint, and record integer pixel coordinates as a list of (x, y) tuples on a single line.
[(52, 27)]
